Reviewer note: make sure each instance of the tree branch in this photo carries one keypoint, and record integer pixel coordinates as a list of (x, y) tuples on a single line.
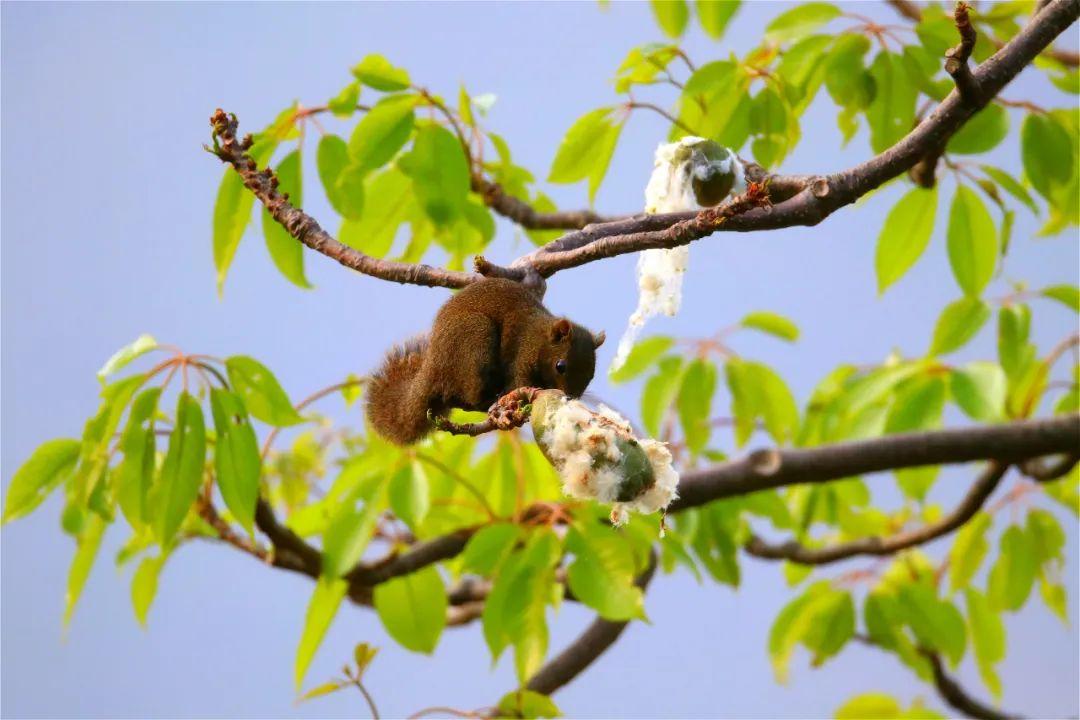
[(958, 698), (797, 552), (598, 637), (765, 469), (823, 195), (305, 228), (956, 58), (525, 215)]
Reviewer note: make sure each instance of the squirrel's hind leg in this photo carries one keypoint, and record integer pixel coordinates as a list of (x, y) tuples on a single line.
[(466, 365)]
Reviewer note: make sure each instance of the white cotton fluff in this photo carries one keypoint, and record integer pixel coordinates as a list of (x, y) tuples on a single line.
[(671, 189), (584, 446)]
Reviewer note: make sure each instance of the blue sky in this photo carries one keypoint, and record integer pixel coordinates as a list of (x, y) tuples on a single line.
[(107, 201)]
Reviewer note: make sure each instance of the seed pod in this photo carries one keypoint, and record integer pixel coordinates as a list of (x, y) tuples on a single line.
[(599, 458)]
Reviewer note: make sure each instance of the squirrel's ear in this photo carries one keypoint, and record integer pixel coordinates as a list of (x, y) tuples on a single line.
[(560, 329), (599, 338)]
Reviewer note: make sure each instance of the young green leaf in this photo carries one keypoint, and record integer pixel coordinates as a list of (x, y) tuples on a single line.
[(602, 574), (120, 359), (937, 624), (659, 393), (413, 609), (182, 472), (643, 355), (987, 639), (375, 71), (773, 324), (1013, 573), (968, 551), (382, 132), (349, 529), (869, 705), (260, 391), (88, 543), (800, 21), (237, 461), (439, 172), (487, 549), (135, 473), (905, 235), (286, 251), (1014, 323), (1047, 153), (959, 322), (144, 585), (972, 241), (343, 105), (528, 705), (982, 133), (1011, 185), (389, 202), (47, 467), (321, 610), (1067, 295), (695, 403), (576, 159), (331, 160), (714, 15), (409, 495), (979, 389), (847, 81), (891, 113), (671, 16)]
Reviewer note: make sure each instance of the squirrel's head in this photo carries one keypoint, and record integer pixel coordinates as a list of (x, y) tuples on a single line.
[(568, 361)]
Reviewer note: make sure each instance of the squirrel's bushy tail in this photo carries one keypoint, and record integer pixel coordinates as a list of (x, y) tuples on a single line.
[(394, 407)]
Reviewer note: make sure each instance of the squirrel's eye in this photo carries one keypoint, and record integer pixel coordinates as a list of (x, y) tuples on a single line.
[(560, 366)]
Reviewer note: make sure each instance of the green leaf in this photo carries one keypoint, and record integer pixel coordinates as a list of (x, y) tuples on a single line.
[(389, 202), (695, 403), (343, 105), (1053, 594), (375, 71), (987, 639), (641, 357), (972, 241), (135, 473), (574, 159), (232, 210), (979, 389), (602, 574), (1013, 573), (363, 654), (487, 549), (1011, 185), (1014, 323), (120, 359), (182, 472), (758, 392), (918, 406), (46, 468), (1067, 295), (846, 79), (349, 529), (659, 393), (671, 16), (891, 114), (800, 21), (833, 626), (959, 322), (237, 461), (869, 706), (382, 132), (409, 495), (260, 391), (714, 15), (1047, 537), (905, 235), (527, 704), (144, 585), (413, 609), (89, 541), (439, 172), (286, 251), (773, 324), (1047, 153), (937, 624), (331, 160), (321, 610), (321, 690), (968, 551), (982, 133)]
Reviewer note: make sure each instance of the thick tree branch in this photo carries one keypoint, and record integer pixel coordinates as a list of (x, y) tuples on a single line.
[(958, 698), (765, 469), (598, 637), (797, 552), (305, 228), (821, 196), (956, 58)]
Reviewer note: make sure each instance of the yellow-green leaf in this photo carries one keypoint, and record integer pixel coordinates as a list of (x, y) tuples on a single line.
[(286, 251), (321, 610), (959, 322), (375, 71), (262, 394), (47, 467), (972, 241), (905, 235), (237, 461), (182, 472), (413, 609)]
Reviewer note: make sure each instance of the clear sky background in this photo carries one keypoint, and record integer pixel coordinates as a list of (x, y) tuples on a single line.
[(107, 199)]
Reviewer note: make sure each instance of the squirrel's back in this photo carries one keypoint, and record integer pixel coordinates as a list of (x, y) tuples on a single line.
[(389, 400)]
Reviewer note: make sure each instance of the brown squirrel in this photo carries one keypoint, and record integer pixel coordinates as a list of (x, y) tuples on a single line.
[(492, 337)]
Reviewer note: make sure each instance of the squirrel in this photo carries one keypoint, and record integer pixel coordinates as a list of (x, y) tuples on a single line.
[(492, 337)]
